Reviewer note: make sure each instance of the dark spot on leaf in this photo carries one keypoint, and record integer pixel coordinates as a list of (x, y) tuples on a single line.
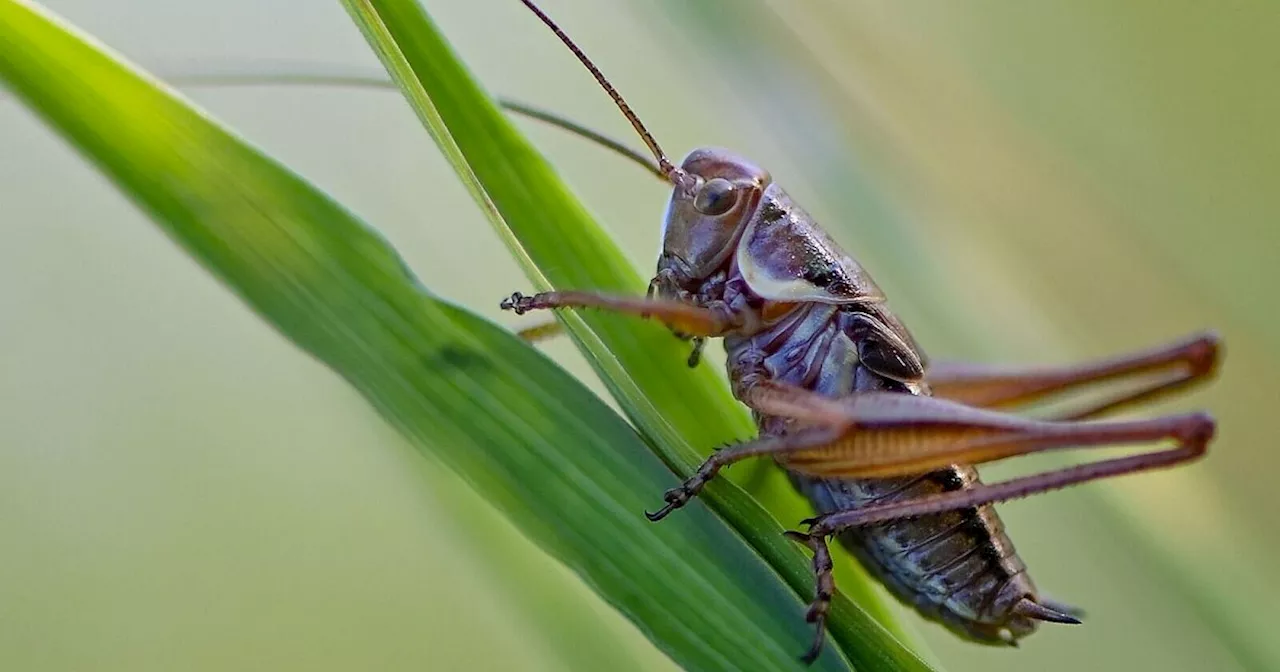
[(454, 357)]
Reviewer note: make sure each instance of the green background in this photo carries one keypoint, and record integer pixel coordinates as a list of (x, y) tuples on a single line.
[(1028, 184)]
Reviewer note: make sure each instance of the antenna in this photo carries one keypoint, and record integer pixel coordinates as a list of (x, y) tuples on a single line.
[(292, 76), (304, 77), (585, 133), (669, 171)]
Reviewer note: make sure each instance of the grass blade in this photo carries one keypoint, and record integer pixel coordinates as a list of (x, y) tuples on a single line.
[(534, 441), (683, 413)]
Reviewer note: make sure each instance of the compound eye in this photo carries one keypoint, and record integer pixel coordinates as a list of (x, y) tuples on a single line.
[(716, 197)]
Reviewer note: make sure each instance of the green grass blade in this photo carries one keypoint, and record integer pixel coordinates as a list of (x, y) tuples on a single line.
[(683, 412), (571, 473)]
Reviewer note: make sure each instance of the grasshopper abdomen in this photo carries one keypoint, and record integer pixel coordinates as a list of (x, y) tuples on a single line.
[(956, 567)]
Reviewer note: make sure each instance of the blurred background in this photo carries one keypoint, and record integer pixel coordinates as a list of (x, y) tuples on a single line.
[(1030, 182)]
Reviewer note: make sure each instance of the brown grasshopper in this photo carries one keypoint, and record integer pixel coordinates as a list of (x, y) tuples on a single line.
[(880, 441)]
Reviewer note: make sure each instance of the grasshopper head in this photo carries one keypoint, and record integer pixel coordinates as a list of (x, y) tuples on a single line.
[(714, 195)]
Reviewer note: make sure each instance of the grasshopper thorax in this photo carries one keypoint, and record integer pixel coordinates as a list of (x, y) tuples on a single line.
[(728, 218)]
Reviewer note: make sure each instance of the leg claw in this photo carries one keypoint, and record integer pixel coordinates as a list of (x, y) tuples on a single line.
[(517, 303), (660, 513), (675, 498), (816, 650), (797, 536)]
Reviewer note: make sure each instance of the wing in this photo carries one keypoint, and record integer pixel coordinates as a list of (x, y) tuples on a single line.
[(785, 256)]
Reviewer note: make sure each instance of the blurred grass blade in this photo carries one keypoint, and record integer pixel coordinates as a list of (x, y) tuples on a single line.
[(568, 471), (759, 479), (683, 412)]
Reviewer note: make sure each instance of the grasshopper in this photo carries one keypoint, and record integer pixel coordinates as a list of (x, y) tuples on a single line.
[(881, 441)]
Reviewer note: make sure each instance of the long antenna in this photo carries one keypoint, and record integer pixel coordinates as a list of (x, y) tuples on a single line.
[(668, 169), (235, 77), (585, 133)]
